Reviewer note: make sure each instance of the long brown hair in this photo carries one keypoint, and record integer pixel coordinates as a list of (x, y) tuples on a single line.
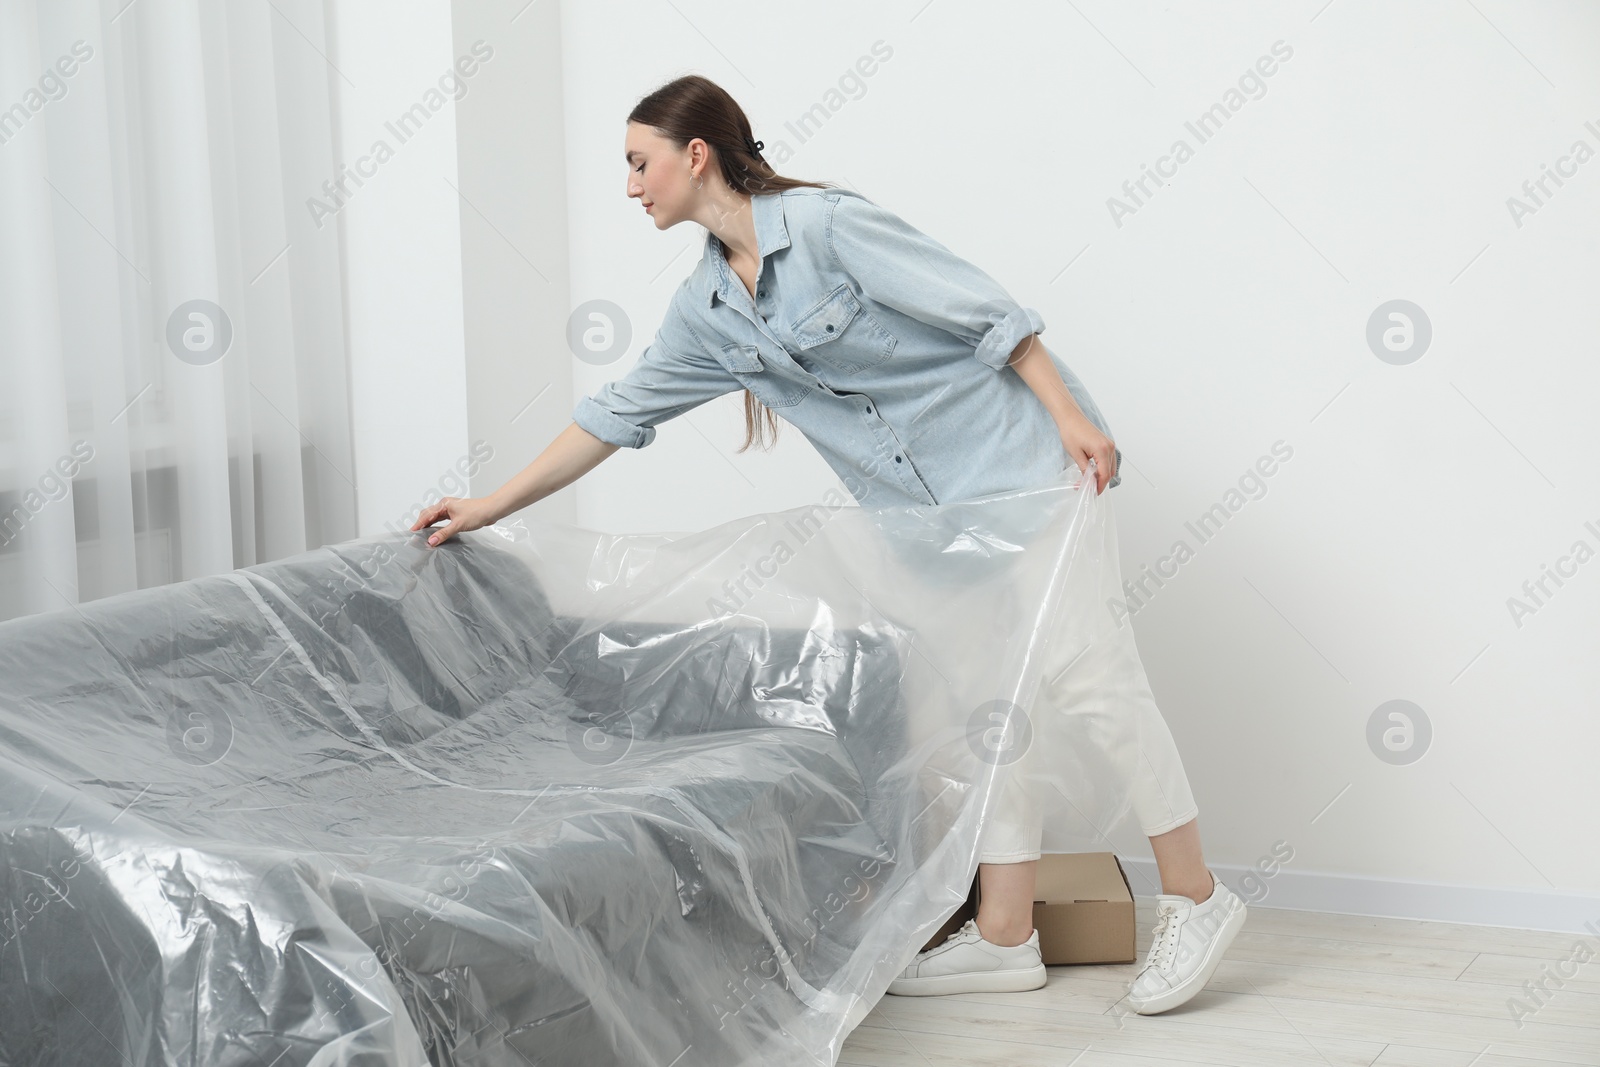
[(694, 106)]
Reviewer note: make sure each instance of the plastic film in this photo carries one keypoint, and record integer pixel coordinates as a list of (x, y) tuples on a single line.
[(544, 795)]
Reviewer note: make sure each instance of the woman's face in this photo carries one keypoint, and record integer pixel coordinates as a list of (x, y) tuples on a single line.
[(658, 175)]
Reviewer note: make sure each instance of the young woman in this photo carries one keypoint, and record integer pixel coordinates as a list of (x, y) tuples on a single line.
[(919, 380)]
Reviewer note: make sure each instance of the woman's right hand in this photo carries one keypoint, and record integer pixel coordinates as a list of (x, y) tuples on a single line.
[(463, 513)]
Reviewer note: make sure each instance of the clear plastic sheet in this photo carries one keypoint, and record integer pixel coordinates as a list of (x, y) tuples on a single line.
[(541, 795)]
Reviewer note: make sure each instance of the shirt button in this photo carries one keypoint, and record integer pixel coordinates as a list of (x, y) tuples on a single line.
[(897, 459), (869, 409)]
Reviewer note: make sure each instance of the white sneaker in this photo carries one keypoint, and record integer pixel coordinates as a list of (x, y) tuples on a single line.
[(1187, 945), (966, 963)]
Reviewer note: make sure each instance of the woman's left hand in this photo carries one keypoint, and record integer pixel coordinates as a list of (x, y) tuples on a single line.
[(1082, 439)]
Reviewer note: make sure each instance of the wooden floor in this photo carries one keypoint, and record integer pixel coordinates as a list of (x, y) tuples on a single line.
[(1294, 988)]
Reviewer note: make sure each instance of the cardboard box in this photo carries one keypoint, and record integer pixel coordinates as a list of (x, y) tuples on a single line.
[(1083, 909)]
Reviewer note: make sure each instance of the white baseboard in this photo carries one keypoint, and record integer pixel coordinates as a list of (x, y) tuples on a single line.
[(1521, 909)]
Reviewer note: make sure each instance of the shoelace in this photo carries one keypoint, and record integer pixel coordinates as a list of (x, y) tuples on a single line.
[(954, 938), (1165, 939)]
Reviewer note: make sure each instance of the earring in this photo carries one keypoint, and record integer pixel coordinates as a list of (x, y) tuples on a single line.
[(700, 183)]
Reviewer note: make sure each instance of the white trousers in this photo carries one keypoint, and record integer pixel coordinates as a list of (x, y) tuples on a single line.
[(1108, 678)]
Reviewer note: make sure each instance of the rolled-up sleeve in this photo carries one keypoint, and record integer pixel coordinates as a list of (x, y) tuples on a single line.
[(663, 384), (903, 268)]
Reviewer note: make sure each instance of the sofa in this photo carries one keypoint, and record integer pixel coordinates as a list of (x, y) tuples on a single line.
[(384, 804)]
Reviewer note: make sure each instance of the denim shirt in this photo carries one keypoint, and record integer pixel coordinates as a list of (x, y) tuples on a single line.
[(882, 346)]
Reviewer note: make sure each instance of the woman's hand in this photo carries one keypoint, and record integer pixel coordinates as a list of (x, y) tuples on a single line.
[(1082, 439), (463, 513)]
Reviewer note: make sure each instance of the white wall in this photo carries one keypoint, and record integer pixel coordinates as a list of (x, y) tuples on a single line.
[(402, 241), (515, 250), (1228, 312)]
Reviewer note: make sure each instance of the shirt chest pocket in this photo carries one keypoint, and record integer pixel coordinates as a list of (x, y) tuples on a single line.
[(837, 330), (744, 363)]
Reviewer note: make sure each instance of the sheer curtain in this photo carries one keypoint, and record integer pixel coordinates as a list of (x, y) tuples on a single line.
[(173, 386)]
